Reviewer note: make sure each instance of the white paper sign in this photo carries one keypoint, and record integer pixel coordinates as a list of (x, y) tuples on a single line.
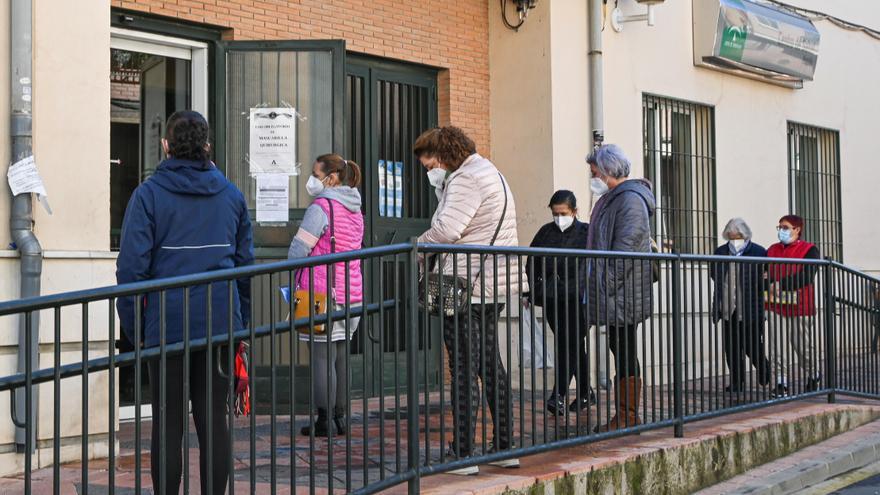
[(273, 141), (24, 178), (272, 197)]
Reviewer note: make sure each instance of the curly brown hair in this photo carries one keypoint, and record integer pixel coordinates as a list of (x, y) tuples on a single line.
[(448, 144)]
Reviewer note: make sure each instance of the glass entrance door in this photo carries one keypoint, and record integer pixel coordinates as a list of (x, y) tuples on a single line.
[(150, 78)]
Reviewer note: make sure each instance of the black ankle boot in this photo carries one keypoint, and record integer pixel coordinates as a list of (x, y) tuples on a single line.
[(321, 425), (339, 420)]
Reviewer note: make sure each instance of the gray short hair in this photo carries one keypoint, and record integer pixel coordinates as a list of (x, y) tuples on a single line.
[(737, 226), (610, 160)]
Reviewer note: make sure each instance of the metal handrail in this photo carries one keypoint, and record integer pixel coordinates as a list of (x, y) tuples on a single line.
[(679, 307), (155, 285)]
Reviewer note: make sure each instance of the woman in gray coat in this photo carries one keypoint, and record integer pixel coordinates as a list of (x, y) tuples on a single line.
[(619, 291)]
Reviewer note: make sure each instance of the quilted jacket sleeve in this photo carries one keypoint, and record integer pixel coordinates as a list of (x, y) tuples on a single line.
[(461, 203)]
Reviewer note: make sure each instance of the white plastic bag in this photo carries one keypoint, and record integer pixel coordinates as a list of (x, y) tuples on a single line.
[(532, 327)]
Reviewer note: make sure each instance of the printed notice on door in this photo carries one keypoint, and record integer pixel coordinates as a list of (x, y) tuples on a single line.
[(273, 141), (272, 198)]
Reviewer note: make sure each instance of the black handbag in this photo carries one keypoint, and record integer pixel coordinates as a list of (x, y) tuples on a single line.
[(447, 295)]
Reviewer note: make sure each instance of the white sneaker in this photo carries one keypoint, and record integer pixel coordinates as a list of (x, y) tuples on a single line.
[(466, 471), (506, 463)]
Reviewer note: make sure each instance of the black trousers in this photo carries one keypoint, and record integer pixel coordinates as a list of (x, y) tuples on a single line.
[(176, 416), (474, 353), (570, 330), (624, 346), (741, 339)]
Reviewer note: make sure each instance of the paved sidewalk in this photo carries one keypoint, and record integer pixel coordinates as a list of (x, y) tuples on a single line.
[(654, 462), (808, 467)]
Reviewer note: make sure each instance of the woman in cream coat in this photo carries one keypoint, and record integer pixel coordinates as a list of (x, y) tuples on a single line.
[(476, 208)]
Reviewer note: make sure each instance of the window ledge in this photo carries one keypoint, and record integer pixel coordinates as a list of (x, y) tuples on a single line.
[(66, 255)]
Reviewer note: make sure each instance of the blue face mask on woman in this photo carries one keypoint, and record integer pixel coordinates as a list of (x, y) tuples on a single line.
[(784, 236)]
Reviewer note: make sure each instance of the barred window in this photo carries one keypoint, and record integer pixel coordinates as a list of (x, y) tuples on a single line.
[(814, 186), (679, 147)]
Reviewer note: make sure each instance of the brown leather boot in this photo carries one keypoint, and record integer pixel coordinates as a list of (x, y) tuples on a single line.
[(626, 405)]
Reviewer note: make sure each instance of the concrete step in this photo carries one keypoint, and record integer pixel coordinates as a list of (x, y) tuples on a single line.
[(712, 451)]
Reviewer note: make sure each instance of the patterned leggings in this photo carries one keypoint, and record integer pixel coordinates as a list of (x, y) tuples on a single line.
[(468, 360)]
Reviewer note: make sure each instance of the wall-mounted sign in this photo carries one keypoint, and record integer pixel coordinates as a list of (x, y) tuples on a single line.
[(272, 141), (755, 40)]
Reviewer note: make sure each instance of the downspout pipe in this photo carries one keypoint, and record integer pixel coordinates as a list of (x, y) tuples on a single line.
[(21, 222), (594, 55)]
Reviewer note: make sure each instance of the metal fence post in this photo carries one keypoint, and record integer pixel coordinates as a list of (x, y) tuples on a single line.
[(830, 345), (677, 358), (412, 392)]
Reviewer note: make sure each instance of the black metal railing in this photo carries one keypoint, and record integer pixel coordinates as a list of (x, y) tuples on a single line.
[(690, 337)]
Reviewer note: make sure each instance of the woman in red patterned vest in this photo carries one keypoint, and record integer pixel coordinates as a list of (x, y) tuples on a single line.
[(791, 308)]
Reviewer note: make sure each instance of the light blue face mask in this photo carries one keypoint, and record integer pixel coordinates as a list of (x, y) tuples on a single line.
[(784, 236)]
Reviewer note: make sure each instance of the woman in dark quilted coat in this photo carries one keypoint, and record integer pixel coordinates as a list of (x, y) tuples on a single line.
[(619, 290)]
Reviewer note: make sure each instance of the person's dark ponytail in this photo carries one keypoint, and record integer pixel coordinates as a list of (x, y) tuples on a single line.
[(187, 134)]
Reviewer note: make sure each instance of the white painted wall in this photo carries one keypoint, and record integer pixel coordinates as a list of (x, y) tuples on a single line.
[(751, 116), (539, 108), (72, 147), (520, 109)]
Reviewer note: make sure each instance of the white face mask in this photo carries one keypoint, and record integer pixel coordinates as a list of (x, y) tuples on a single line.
[(436, 176), (563, 222), (598, 186), (737, 244), (314, 186)]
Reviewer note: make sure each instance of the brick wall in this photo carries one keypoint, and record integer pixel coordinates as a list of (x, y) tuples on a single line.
[(449, 35)]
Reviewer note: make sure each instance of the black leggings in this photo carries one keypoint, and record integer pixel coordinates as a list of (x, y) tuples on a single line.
[(571, 356), (624, 346), (741, 339), (177, 416), (470, 362)]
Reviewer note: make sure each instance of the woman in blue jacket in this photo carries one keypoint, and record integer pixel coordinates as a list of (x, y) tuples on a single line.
[(186, 218), (739, 304)]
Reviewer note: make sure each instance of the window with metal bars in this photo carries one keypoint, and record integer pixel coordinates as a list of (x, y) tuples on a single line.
[(679, 152), (814, 186)]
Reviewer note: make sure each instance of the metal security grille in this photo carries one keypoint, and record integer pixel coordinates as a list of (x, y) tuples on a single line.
[(403, 112), (388, 105), (679, 148), (814, 185), (357, 110)]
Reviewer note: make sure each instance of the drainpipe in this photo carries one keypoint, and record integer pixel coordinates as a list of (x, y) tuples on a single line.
[(597, 124), (594, 54), (21, 221)]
